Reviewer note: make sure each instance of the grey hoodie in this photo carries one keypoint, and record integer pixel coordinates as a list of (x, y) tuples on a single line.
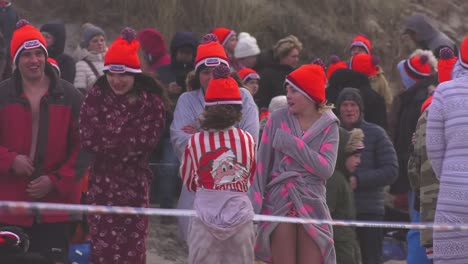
[(432, 38)]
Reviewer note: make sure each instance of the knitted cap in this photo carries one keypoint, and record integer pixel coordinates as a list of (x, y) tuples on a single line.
[(122, 55), (355, 143), (210, 53), (246, 74), (335, 64), (365, 64), (361, 40), (309, 79), (89, 31), (222, 89), (463, 56), (223, 34), (246, 46), (54, 64), (447, 60), (414, 69), (350, 94), (24, 37)]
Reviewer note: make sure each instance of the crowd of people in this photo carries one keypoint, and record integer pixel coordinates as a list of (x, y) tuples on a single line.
[(244, 131)]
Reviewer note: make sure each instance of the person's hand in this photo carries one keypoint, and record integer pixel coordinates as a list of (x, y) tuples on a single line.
[(22, 166), (40, 187), (189, 129), (174, 88), (353, 182), (413, 139)]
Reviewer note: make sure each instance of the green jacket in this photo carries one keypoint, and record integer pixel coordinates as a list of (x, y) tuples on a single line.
[(423, 180), (340, 201)]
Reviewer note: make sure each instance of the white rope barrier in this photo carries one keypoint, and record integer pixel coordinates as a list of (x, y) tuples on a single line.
[(11, 207)]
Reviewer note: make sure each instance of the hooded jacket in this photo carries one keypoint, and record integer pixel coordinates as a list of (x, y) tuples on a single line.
[(432, 38), (374, 105), (55, 51), (403, 119), (176, 71)]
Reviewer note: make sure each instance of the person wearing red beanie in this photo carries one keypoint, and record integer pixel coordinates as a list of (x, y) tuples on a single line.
[(447, 149), (121, 122), (250, 78), (227, 38), (297, 155), (219, 174), (40, 155), (360, 45), (187, 121), (368, 64)]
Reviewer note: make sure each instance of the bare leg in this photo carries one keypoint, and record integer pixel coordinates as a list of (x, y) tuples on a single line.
[(307, 250), (283, 244)]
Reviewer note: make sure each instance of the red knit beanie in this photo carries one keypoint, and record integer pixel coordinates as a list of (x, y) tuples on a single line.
[(447, 60), (335, 64), (463, 56), (223, 34), (210, 52), (54, 64), (246, 74), (418, 67), (24, 37), (361, 40), (122, 55), (222, 89), (309, 79), (365, 64)]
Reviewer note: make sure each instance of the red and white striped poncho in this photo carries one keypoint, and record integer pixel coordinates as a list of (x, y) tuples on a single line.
[(220, 160)]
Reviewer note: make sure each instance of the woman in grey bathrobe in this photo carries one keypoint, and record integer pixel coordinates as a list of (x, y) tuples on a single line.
[(297, 154)]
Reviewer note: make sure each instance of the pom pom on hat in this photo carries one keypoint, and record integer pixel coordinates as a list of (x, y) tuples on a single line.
[(223, 34), (122, 55), (246, 74), (209, 38), (222, 89), (318, 61), (246, 46), (26, 37), (363, 41), (446, 53), (128, 34), (210, 53), (334, 59), (335, 64), (445, 66), (365, 64), (221, 71), (310, 80)]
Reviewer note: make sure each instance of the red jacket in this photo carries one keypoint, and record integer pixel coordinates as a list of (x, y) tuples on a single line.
[(57, 152)]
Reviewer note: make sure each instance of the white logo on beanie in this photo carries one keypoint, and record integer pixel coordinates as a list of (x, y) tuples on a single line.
[(31, 44)]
